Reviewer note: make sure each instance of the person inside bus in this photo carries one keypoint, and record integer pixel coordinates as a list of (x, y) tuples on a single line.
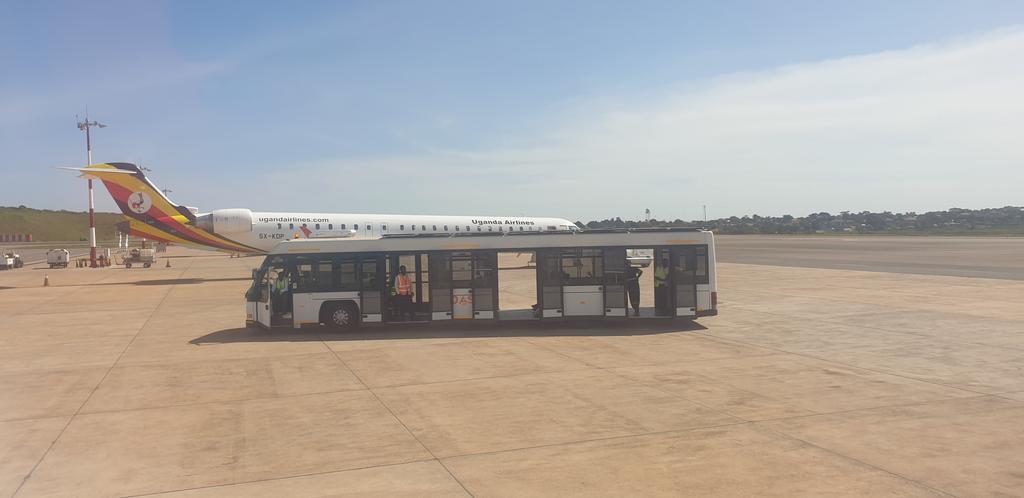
[(403, 294), (661, 290), (633, 287), (282, 292)]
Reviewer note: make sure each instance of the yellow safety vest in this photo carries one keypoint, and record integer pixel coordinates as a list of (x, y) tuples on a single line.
[(660, 276)]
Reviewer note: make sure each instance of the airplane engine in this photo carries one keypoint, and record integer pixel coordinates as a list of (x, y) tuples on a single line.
[(225, 221)]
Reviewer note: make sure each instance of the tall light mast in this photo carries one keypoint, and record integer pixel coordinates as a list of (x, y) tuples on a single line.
[(85, 126)]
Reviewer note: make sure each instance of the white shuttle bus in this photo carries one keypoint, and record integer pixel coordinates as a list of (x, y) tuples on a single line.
[(343, 283)]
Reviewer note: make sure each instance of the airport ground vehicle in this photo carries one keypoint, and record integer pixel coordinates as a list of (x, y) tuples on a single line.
[(10, 260), (136, 256), (345, 282), (58, 258)]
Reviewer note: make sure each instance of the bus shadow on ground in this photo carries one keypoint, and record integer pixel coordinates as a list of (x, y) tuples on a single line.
[(406, 331)]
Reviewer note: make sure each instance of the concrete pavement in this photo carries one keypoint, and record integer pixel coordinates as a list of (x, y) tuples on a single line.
[(121, 382)]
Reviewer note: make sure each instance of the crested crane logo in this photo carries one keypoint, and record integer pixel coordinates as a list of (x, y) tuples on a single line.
[(139, 202)]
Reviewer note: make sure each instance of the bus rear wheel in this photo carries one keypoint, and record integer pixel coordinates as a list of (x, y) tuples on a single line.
[(340, 316)]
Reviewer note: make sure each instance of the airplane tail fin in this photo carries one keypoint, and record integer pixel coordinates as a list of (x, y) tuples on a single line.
[(134, 194), (151, 214)]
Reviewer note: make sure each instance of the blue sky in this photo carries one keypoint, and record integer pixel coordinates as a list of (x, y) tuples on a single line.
[(576, 109)]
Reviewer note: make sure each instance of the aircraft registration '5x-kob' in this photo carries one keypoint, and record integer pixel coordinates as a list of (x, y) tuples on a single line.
[(153, 216)]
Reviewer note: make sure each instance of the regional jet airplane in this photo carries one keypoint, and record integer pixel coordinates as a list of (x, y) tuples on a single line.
[(153, 216)]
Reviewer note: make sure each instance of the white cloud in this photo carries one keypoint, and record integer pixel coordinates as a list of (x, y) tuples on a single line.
[(928, 127)]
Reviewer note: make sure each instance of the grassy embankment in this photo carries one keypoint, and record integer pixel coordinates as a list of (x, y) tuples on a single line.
[(47, 225)]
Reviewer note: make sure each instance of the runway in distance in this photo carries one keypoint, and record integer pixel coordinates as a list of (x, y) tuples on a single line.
[(153, 216)]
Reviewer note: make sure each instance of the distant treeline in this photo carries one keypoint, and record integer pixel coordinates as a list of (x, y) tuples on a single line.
[(1007, 220), (48, 225)]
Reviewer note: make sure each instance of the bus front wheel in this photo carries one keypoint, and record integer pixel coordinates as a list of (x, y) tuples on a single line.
[(341, 316)]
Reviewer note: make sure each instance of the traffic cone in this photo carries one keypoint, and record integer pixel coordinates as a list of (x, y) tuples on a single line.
[(46, 280)]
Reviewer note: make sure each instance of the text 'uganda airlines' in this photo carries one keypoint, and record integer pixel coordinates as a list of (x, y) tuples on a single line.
[(153, 216)]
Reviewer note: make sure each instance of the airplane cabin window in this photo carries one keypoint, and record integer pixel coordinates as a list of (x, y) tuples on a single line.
[(278, 226), (467, 228), (412, 227), (457, 228), (330, 226), (342, 226), (317, 226), (355, 226), (520, 229), (490, 228), (435, 228), (291, 226), (446, 228), (384, 227), (401, 228)]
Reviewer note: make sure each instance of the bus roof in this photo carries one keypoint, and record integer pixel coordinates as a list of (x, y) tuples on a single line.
[(503, 241)]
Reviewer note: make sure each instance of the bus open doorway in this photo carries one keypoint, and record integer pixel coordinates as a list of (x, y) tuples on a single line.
[(517, 286)]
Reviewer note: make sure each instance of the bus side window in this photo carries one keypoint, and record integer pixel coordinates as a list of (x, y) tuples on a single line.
[(702, 265), (345, 278), (324, 277)]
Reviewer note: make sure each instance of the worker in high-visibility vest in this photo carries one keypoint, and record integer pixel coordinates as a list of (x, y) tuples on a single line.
[(403, 294), (662, 293)]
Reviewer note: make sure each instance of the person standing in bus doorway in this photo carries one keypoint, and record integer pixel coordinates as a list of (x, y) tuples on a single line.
[(633, 287), (662, 296), (403, 294)]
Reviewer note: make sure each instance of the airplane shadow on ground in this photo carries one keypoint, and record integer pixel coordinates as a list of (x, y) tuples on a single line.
[(386, 332)]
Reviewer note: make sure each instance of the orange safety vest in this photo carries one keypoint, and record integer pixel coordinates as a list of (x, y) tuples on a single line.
[(403, 285)]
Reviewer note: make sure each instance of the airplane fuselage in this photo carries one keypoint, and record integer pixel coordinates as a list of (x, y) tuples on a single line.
[(264, 230)]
